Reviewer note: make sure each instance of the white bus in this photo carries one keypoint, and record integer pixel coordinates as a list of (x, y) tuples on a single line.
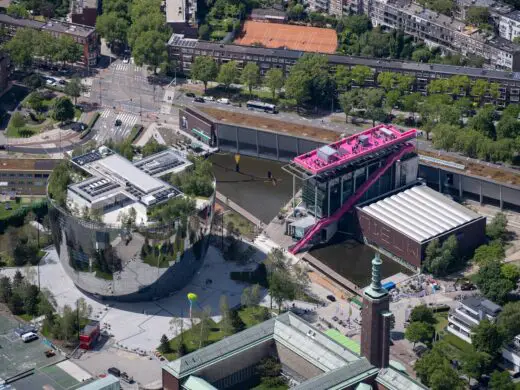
[(260, 106)]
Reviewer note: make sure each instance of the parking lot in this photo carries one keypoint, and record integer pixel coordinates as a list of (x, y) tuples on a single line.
[(106, 127), (17, 356)]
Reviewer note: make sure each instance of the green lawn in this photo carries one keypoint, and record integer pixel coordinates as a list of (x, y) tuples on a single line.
[(458, 343), (104, 275), (442, 321), (26, 317), (4, 213), (248, 315), (244, 226), (29, 130)]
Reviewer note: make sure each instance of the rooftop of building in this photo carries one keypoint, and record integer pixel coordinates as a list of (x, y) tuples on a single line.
[(514, 15), (107, 382), (270, 13), (481, 304), (420, 213), (79, 5), (112, 174), (68, 28), (4, 18), (263, 123), (341, 368), (177, 40), (175, 11), (353, 148), (28, 164)]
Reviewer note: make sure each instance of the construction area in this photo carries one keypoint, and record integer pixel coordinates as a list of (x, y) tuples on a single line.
[(311, 39)]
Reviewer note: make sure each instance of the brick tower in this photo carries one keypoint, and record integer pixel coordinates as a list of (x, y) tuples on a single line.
[(377, 319)]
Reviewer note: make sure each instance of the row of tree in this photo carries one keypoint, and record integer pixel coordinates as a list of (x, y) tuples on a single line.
[(138, 24), (27, 45)]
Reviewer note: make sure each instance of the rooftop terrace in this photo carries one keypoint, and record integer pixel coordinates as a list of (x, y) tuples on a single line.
[(353, 147)]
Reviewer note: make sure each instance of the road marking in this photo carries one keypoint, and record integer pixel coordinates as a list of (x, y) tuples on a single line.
[(105, 113)]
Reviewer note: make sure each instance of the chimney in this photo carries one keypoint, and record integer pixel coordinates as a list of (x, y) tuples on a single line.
[(377, 319)]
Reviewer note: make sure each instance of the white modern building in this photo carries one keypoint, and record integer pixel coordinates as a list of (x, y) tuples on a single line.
[(509, 25), (470, 312), (117, 184)]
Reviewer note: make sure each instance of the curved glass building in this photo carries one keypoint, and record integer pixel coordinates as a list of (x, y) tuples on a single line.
[(107, 232)]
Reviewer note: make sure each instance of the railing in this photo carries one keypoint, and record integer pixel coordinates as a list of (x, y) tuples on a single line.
[(352, 200)]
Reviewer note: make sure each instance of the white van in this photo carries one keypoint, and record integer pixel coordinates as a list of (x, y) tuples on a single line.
[(30, 336)]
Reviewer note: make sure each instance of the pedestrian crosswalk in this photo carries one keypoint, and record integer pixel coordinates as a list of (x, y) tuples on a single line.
[(119, 66), (106, 113), (127, 118)]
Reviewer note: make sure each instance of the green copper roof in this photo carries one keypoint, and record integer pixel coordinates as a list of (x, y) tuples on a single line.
[(344, 340)]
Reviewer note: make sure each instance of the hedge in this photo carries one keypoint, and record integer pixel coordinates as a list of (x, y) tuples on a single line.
[(40, 208), (136, 131), (90, 125)]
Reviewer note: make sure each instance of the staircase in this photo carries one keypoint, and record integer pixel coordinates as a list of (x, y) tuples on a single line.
[(324, 222)]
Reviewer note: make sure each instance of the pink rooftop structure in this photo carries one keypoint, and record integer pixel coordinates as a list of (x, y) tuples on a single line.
[(353, 147)]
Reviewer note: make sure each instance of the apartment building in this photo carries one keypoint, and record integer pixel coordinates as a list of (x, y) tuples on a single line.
[(495, 8), (436, 29), (470, 312), (509, 25), (85, 12), (182, 51), (25, 176), (332, 7), (86, 36), (181, 16)]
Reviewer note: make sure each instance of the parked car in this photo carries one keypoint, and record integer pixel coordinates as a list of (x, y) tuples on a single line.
[(8, 206), (190, 94), (62, 82), (199, 100), (114, 371), (331, 298), (118, 122), (50, 81), (126, 60), (209, 98), (29, 336), (335, 319), (223, 100)]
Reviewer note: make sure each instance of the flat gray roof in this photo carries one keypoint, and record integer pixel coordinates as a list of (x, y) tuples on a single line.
[(175, 11), (130, 173), (420, 213)]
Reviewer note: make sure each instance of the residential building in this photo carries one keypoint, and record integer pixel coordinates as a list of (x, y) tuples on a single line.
[(86, 36), (332, 7), (181, 16), (436, 29), (85, 12), (509, 25), (469, 313), (495, 8), (309, 358), (19, 176), (182, 51)]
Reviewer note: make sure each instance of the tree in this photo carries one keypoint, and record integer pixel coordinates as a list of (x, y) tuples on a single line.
[(228, 74), (496, 230), (74, 88), (411, 102), (113, 28), (483, 122), (30, 299), (487, 337), (17, 279), (475, 364), (479, 88), (68, 50), (204, 316), (508, 128), (150, 48), (250, 76), (204, 69), (63, 109), (164, 347), (477, 15), (350, 101), (281, 287), (511, 272), (35, 101), (360, 73), (15, 303), (5, 289), (152, 147), (33, 81), (446, 379), (423, 313), (491, 282), (501, 380), (386, 80), (439, 260), (419, 332), (17, 10), (494, 251), (509, 320), (225, 312), (297, 87), (274, 80), (445, 136), (21, 47), (18, 120)]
